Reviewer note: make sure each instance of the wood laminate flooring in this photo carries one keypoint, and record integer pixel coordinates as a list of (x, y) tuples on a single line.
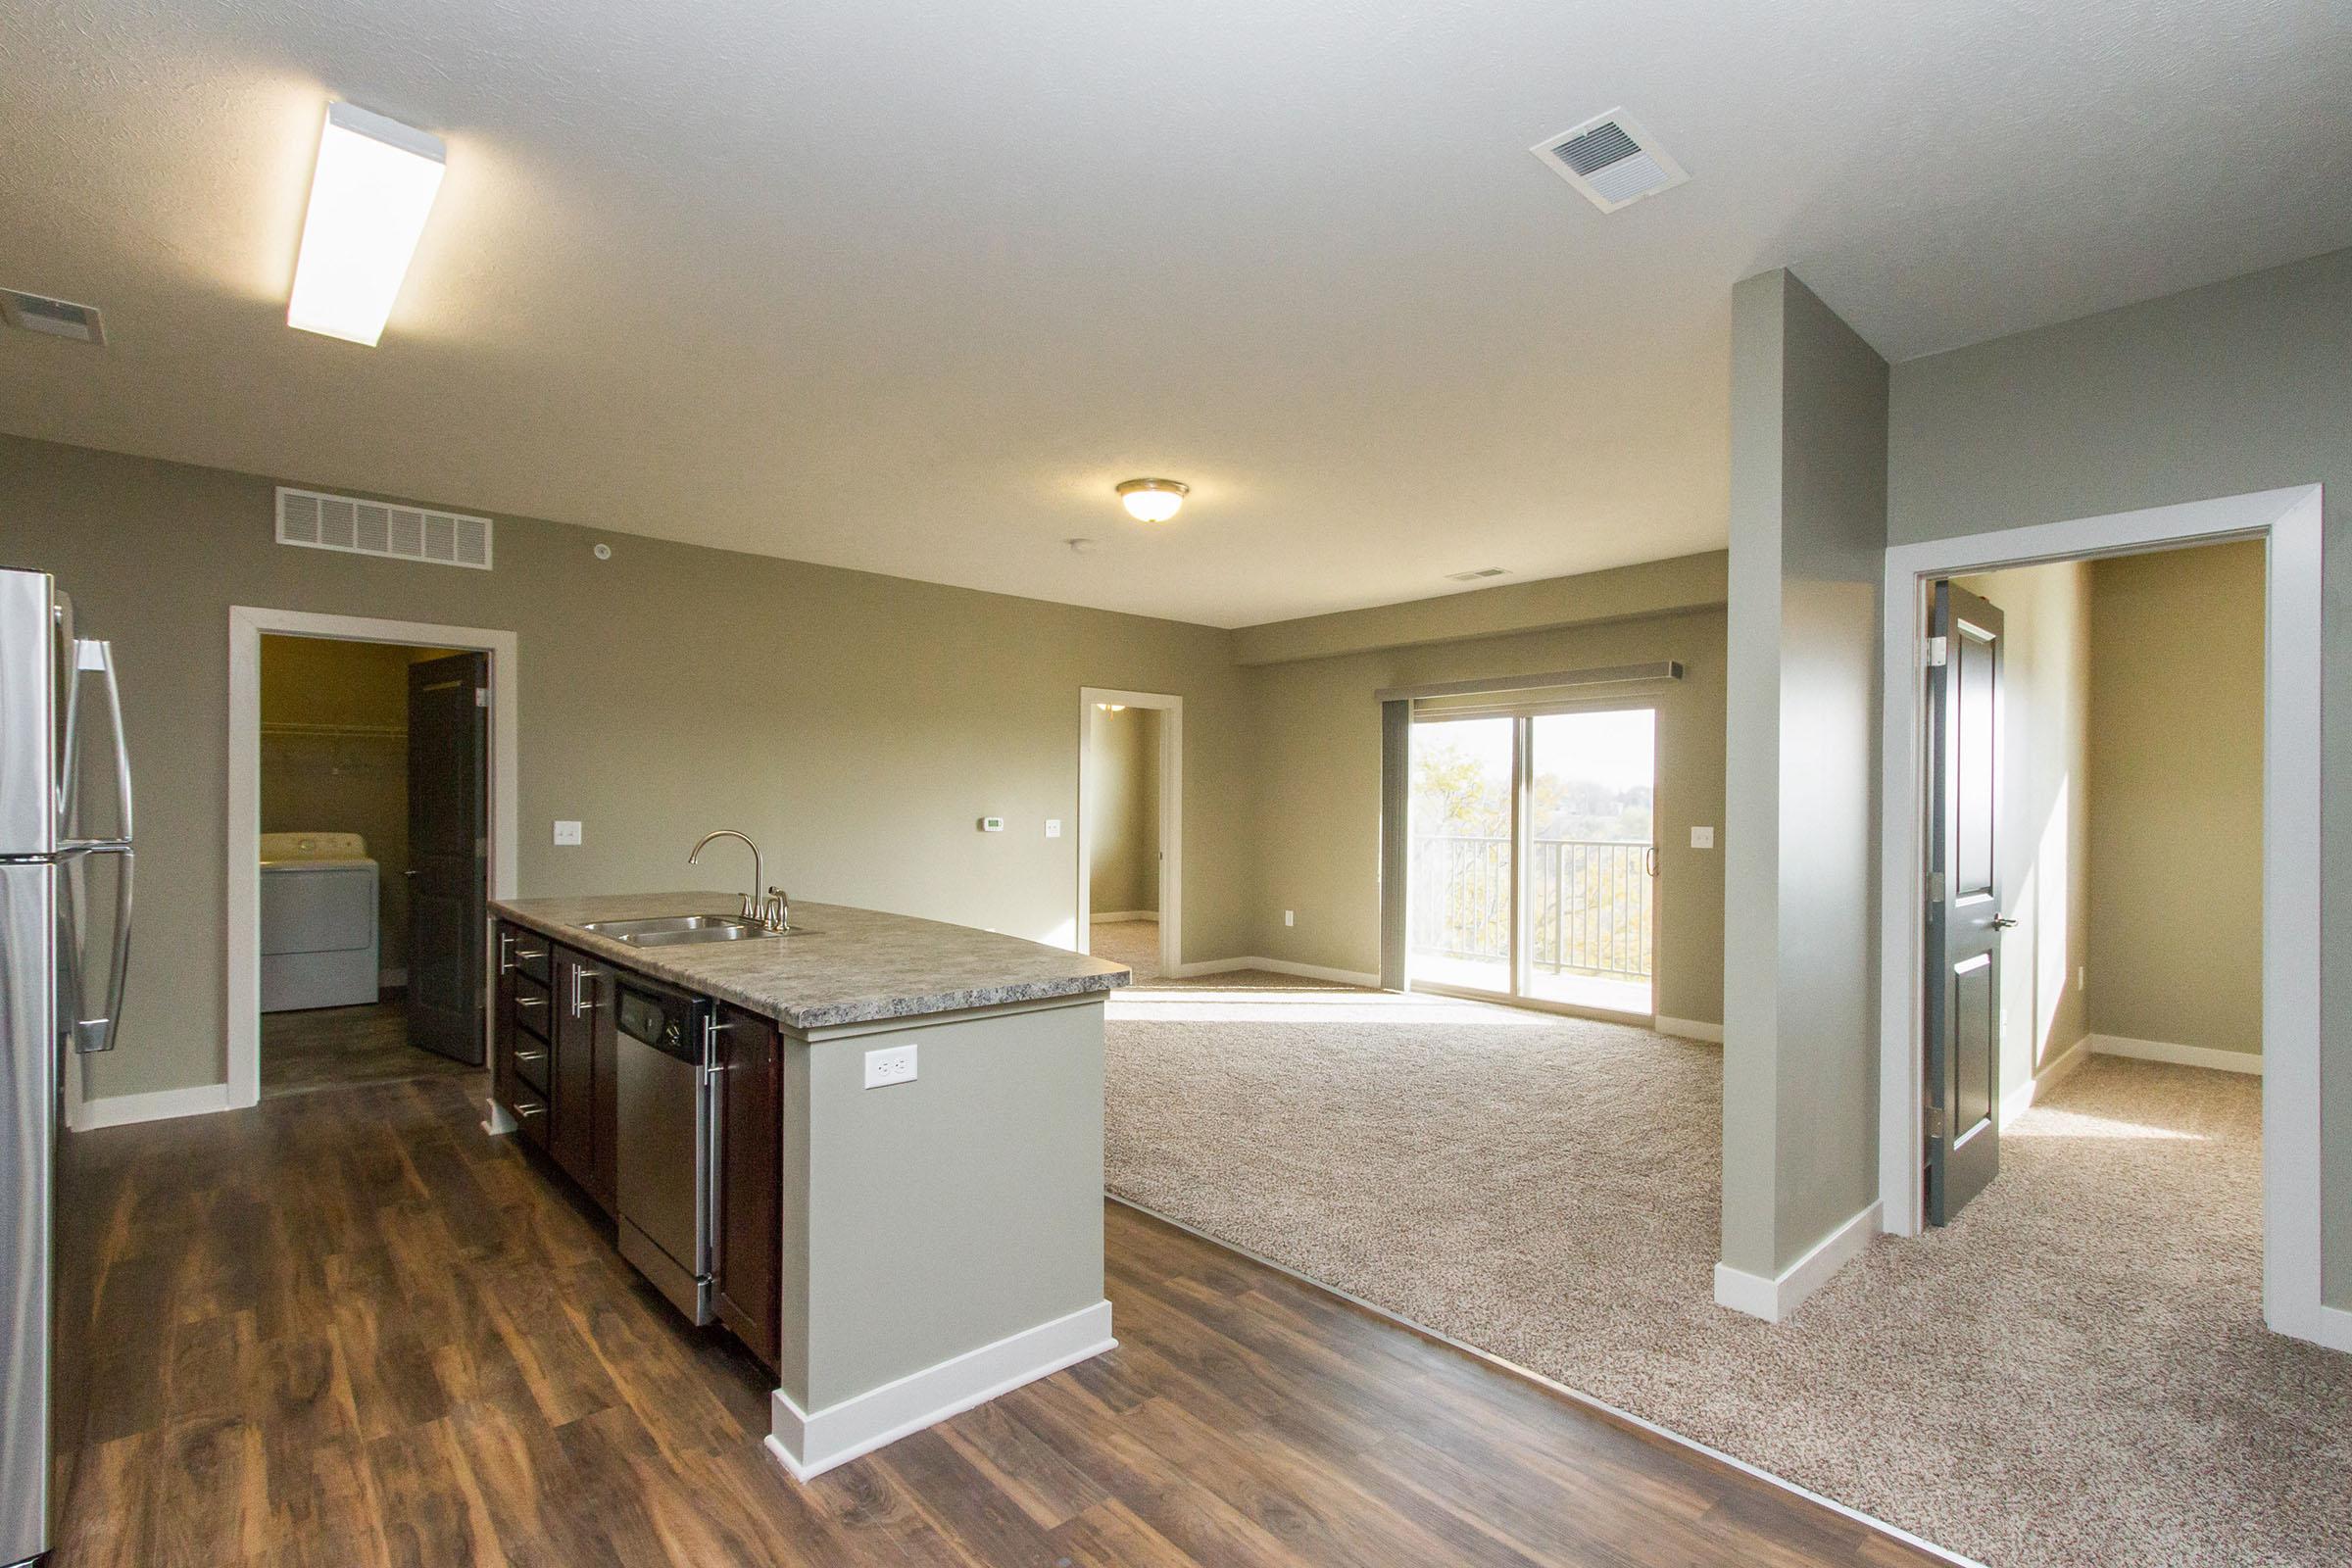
[(335, 1048), (349, 1328)]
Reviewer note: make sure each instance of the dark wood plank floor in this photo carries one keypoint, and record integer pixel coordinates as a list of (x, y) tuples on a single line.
[(335, 1048), (347, 1328)]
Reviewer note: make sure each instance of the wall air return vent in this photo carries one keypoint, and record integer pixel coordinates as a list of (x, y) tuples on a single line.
[(1611, 159), (319, 521), (1477, 574), (37, 312)]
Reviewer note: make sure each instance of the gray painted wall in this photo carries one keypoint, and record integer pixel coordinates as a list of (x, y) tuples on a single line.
[(2243, 385), (857, 726), (1807, 551)]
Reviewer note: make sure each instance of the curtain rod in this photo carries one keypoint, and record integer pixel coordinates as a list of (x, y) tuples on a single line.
[(1608, 675)]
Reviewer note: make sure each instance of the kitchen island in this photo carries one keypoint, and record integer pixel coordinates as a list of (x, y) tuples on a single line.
[(880, 1164)]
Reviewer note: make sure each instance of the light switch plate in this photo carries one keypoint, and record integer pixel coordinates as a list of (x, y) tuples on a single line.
[(567, 833), (1053, 827), (894, 1064), (992, 825), (1702, 838)]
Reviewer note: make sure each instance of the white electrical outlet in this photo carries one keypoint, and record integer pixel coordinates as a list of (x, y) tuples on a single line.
[(1053, 827), (1290, 918), (895, 1065), (992, 825), (567, 833), (1702, 838)]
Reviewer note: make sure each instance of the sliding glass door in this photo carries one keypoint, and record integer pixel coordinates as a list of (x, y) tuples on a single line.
[(1531, 863)]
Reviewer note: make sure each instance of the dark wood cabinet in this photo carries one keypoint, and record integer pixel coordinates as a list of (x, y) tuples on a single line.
[(750, 1234), (520, 1029), (581, 1090)]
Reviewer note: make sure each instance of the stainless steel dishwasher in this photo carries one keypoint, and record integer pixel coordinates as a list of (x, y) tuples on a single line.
[(667, 1162)]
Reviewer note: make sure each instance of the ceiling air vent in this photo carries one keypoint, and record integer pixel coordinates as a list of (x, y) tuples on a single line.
[(37, 312), (1474, 575), (319, 521), (1611, 159)]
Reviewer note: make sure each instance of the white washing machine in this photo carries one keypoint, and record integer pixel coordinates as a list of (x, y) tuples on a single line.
[(320, 933)]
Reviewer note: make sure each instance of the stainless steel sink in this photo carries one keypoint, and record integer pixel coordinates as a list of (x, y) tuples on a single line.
[(677, 930)]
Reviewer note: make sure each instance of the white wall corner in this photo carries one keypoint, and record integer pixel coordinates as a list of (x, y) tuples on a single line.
[(1774, 1299), (807, 1444), (2021, 1098)]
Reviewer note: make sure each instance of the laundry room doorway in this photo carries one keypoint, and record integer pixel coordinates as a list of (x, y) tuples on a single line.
[(367, 831)]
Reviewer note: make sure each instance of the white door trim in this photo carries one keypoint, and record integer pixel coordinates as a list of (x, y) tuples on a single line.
[(246, 624), (1172, 820), (2288, 521)]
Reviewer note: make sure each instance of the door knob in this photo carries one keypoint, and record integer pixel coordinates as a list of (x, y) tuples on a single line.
[(2003, 922)]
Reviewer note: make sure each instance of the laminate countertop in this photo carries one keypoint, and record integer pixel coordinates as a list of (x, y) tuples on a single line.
[(838, 966)]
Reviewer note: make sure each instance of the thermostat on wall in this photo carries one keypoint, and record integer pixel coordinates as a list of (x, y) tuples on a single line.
[(992, 825)]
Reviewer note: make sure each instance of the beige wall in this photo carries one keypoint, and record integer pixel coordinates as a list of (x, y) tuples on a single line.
[(2043, 862), (2242, 386), (1317, 805), (335, 758), (1122, 811), (857, 726), (2175, 774)]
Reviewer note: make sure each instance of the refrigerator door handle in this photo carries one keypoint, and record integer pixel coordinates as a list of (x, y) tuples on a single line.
[(90, 653), (91, 1035)]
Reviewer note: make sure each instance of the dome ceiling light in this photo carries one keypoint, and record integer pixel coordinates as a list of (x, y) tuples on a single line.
[(1153, 499)]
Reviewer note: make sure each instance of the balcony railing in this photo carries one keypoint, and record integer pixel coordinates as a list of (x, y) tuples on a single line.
[(1589, 904)]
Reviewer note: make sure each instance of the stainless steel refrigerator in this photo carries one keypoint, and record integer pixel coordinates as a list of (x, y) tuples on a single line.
[(65, 941)]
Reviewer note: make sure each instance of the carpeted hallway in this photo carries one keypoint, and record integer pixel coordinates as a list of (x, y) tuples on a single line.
[(2074, 1373)]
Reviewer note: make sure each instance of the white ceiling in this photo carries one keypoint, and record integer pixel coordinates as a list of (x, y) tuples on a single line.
[(909, 287)]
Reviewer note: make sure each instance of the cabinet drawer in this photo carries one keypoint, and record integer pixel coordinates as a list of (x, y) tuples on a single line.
[(532, 1005), (530, 1067), (532, 952), (530, 1117)]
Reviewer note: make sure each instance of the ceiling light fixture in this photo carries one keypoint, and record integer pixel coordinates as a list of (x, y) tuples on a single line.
[(374, 185), (1153, 499)]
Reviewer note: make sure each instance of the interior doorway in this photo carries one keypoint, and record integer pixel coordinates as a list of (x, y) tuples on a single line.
[(372, 772), (1532, 869), (355, 740), (1130, 830), (1995, 980)]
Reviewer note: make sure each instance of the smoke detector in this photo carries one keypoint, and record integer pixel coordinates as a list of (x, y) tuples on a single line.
[(37, 312), (1478, 572), (1612, 159)]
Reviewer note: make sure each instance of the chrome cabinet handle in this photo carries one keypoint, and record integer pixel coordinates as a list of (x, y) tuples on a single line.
[(531, 1055), (530, 1001), (582, 978), (525, 952), (530, 1108), (506, 953)]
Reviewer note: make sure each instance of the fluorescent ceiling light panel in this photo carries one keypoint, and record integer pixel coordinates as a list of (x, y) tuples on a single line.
[(374, 185)]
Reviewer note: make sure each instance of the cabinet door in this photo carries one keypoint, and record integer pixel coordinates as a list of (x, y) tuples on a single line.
[(571, 1082), (750, 1238)]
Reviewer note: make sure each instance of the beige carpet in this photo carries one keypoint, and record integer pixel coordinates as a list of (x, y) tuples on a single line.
[(2074, 1373)]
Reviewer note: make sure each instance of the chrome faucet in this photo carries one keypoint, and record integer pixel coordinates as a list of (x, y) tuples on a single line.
[(756, 908)]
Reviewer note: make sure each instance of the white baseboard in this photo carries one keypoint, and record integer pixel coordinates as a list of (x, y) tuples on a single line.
[(807, 1446), (1772, 1299), (161, 1104), (1304, 971), (2333, 1328), (2245, 1061), (1689, 1029), (1151, 916), (2018, 1101)]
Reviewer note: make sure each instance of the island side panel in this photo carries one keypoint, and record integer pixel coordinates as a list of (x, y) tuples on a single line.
[(959, 1210), (792, 1319)]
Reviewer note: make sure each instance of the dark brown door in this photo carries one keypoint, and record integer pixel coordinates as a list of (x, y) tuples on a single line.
[(750, 1238), (1964, 919), (448, 844)]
